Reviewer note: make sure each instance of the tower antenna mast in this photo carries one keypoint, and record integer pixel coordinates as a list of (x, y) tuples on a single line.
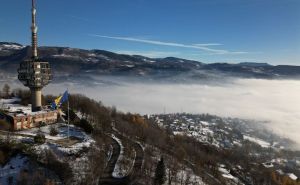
[(34, 32)]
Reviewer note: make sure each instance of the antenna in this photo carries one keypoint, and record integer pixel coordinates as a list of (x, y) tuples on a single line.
[(35, 73), (34, 32)]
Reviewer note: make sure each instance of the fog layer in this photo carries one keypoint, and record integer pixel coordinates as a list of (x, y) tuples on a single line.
[(277, 101)]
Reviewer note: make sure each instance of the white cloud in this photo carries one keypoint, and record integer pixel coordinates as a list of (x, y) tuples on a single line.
[(202, 47), (150, 54), (209, 44), (276, 101)]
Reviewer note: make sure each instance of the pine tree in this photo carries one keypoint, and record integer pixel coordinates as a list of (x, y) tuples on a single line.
[(160, 173)]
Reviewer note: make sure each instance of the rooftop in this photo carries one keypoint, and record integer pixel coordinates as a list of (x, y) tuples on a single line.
[(293, 176), (15, 109)]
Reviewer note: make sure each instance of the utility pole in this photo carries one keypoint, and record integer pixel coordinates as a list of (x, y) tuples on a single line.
[(68, 116)]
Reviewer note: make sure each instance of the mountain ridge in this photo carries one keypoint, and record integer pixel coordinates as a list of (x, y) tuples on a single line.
[(66, 60)]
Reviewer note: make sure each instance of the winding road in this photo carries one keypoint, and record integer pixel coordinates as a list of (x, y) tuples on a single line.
[(131, 178)]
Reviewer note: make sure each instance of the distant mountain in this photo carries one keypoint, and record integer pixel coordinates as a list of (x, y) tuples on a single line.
[(254, 64), (80, 62)]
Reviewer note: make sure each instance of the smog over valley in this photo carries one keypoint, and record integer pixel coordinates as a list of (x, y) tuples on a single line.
[(275, 102)]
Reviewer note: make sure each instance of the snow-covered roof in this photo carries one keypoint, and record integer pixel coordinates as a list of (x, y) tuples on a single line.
[(18, 110), (204, 123), (268, 165), (292, 176), (280, 172)]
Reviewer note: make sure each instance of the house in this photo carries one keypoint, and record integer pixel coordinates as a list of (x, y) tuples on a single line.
[(21, 117), (292, 176)]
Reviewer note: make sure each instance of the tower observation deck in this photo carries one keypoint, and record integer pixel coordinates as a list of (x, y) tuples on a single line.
[(35, 73)]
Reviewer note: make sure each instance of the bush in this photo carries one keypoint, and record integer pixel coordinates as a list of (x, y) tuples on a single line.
[(42, 124), (4, 125), (85, 125), (40, 138), (62, 169), (53, 131), (2, 157)]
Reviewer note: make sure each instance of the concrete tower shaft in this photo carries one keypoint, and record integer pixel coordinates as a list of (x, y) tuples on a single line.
[(36, 99)]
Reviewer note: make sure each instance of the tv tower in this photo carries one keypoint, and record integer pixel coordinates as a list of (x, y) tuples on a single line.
[(35, 73)]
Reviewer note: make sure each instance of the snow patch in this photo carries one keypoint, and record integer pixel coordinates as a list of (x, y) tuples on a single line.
[(118, 171), (258, 141), (13, 169), (11, 46)]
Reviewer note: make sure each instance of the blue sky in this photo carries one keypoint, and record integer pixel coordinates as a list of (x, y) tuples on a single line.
[(204, 30)]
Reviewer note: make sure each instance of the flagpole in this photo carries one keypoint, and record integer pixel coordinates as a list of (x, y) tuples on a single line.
[(68, 116)]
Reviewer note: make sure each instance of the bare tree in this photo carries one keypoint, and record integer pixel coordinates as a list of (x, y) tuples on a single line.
[(6, 90), (182, 174), (149, 166), (173, 169), (96, 166)]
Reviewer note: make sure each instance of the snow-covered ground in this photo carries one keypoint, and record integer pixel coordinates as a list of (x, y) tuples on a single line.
[(62, 129), (79, 115), (12, 169), (79, 167), (69, 152), (54, 143), (187, 176), (205, 123), (110, 152), (125, 160), (226, 174), (119, 172), (258, 141), (217, 131), (84, 140)]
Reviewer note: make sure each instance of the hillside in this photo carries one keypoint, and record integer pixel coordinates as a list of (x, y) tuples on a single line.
[(107, 146)]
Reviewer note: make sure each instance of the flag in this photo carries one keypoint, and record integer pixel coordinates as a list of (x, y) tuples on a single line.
[(56, 102), (60, 100), (64, 97)]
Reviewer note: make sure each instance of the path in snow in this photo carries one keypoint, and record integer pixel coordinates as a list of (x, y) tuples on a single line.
[(109, 176)]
